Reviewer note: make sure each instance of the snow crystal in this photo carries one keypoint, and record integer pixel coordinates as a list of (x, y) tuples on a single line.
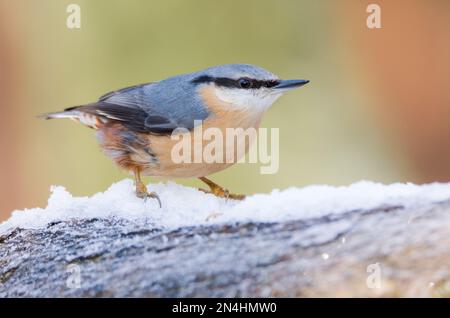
[(184, 206)]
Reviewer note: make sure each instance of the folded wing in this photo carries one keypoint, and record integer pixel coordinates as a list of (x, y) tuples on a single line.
[(134, 108)]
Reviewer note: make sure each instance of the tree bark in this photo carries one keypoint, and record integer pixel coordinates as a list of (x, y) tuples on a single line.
[(388, 251)]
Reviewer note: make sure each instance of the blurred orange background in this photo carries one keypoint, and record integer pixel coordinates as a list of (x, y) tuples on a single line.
[(377, 107)]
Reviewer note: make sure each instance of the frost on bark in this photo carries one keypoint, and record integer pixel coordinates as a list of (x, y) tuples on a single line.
[(387, 251)]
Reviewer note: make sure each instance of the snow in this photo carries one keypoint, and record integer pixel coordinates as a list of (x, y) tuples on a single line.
[(184, 206)]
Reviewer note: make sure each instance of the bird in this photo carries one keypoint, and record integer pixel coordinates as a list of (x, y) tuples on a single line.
[(135, 125)]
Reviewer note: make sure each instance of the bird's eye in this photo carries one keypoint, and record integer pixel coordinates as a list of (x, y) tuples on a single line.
[(245, 83)]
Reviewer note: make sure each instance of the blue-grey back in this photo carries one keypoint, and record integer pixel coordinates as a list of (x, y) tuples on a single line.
[(175, 99)]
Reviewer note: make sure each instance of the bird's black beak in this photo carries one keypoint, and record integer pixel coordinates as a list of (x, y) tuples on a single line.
[(290, 84)]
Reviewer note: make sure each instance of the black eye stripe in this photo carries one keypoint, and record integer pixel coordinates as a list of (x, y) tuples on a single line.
[(234, 83)]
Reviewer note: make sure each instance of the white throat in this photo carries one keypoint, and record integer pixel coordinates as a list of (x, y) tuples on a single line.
[(257, 99)]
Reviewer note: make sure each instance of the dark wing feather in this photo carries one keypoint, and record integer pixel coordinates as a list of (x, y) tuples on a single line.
[(126, 106), (134, 118)]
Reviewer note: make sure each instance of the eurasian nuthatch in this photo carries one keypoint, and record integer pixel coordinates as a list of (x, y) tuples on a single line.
[(134, 124)]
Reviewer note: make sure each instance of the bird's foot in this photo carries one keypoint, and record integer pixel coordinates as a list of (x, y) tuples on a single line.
[(220, 192), (142, 192)]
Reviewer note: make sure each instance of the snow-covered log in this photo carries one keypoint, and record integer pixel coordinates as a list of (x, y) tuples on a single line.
[(366, 239)]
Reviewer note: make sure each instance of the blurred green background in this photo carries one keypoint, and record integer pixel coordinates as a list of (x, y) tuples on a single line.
[(377, 107)]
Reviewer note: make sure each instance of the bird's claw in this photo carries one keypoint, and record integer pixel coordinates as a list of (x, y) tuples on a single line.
[(235, 196), (223, 193), (145, 195)]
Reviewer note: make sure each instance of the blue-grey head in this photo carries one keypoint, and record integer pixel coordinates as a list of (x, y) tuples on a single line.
[(245, 85)]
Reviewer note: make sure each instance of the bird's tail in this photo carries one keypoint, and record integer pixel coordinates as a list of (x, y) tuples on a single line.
[(77, 115), (72, 114)]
